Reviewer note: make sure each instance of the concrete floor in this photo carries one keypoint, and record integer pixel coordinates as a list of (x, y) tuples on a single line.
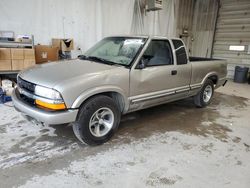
[(175, 145)]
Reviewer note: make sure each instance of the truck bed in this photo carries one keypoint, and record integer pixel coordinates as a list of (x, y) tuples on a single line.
[(204, 67)]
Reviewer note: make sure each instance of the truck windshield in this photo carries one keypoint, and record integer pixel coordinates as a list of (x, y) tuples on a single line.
[(115, 50)]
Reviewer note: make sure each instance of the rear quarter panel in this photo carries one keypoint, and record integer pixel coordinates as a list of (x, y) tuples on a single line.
[(201, 70)]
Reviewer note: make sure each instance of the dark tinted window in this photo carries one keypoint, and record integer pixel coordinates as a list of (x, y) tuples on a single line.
[(181, 55), (177, 43), (158, 53)]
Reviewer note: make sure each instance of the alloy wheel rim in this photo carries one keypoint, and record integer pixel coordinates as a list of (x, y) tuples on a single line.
[(101, 122), (207, 94)]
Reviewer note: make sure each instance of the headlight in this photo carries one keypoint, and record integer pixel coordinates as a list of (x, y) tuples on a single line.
[(47, 93), (49, 98)]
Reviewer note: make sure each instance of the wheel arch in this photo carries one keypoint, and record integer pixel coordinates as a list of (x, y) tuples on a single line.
[(214, 79), (115, 93), (212, 76)]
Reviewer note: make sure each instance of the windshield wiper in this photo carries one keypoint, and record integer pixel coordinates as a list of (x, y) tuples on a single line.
[(82, 57), (99, 59)]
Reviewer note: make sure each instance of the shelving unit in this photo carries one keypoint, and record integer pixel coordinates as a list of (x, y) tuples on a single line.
[(8, 72), (10, 44), (14, 44)]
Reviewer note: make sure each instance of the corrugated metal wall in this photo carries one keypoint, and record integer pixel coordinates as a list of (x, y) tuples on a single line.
[(196, 24), (204, 20), (185, 15), (233, 28), (185, 21)]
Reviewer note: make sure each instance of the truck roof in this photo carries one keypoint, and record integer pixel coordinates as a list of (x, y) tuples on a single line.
[(146, 36)]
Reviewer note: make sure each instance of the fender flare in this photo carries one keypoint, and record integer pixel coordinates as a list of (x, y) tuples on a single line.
[(209, 75), (98, 90)]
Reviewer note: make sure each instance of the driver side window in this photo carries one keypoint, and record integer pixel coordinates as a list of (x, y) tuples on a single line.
[(158, 53)]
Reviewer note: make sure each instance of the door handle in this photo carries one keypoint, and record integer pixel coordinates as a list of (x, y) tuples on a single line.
[(173, 72)]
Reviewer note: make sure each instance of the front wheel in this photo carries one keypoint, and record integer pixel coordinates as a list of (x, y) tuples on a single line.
[(203, 98), (97, 120)]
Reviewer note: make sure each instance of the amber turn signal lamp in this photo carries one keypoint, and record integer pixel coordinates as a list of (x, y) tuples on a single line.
[(60, 106)]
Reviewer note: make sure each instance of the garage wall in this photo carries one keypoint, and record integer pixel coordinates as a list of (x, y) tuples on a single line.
[(204, 20), (84, 20), (87, 21), (233, 28), (196, 24), (185, 13), (162, 22)]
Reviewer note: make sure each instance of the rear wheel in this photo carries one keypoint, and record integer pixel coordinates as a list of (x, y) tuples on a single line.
[(203, 98), (97, 120)]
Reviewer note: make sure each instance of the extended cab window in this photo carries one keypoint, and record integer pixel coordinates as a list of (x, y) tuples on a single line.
[(181, 55), (157, 53)]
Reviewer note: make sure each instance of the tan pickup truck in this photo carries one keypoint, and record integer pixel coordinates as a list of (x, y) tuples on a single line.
[(118, 75)]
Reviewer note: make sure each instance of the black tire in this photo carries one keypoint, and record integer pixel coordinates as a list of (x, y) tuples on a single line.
[(199, 99), (82, 128)]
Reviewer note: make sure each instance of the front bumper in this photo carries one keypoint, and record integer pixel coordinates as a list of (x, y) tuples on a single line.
[(51, 118)]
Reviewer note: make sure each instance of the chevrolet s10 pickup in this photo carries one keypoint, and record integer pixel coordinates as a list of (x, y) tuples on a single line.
[(118, 75)]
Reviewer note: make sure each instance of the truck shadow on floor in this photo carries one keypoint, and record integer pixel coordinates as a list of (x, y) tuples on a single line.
[(184, 117), (181, 116)]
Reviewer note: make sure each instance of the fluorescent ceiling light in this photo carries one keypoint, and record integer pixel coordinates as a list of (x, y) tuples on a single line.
[(236, 48)]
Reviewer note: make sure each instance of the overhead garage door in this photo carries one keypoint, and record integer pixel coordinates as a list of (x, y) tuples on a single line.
[(233, 31)]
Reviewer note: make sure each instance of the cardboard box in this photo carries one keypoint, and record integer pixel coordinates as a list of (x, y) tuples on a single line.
[(17, 64), (29, 54), (63, 44), (67, 44), (56, 43), (5, 65), (44, 53), (5, 54), (29, 63), (17, 54)]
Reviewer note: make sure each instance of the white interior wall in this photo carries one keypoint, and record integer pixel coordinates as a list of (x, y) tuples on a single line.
[(162, 22), (86, 21)]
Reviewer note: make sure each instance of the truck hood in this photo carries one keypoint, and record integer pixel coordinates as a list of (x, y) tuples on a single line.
[(51, 74)]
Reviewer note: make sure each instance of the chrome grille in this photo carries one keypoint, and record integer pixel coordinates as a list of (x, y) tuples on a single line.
[(26, 85)]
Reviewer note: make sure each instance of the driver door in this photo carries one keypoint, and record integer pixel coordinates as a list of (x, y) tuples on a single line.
[(154, 83)]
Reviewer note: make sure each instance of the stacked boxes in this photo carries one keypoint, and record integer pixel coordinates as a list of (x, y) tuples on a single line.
[(29, 58), (16, 58), (5, 59)]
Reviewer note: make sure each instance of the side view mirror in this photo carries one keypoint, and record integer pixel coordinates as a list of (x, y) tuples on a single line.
[(141, 64)]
